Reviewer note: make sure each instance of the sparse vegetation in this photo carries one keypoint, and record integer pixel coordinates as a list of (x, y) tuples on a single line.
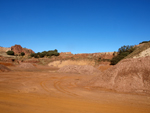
[(10, 52), (45, 53), (35, 55), (122, 53), (104, 60), (32, 54), (144, 42)]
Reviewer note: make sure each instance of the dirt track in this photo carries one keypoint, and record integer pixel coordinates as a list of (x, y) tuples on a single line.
[(46, 91)]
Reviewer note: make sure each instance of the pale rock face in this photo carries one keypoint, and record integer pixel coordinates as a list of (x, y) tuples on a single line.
[(4, 49), (143, 53), (60, 63)]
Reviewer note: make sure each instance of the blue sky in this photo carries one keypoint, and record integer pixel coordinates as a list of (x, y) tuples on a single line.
[(78, 26)]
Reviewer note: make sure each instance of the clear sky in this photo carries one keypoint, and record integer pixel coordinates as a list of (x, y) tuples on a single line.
[(78, 26)]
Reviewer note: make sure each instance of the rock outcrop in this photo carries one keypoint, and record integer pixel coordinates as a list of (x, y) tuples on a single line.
[(18, 49)]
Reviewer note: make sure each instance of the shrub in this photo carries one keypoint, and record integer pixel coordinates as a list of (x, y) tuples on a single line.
[(127, 48), (104, 60), (56, 50), (22, 53), (10, 53), (117, 58), (49, 54), (53, 53), (36, 56), (32, 54), (56, 54), (45, 53), (122, 53), (41, 55)]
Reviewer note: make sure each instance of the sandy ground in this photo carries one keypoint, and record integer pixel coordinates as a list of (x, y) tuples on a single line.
[(60, 63), (47, 91)]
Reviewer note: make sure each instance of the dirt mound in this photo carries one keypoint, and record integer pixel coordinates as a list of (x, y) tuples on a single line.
[(104, 66), (18, 49), (129, 75), (3, 68), (26, 65), (81, 69)]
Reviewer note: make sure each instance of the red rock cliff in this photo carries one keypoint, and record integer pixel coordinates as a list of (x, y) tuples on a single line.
[(18, 49)]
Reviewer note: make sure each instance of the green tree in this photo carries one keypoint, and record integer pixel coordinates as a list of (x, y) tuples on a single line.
[(45, 53), (122, 53), (22, 53), (127, 48), (32, 54), (41, 55)]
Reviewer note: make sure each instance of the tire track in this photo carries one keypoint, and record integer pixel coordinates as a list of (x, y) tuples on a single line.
[(44, 86), (59, 87)]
